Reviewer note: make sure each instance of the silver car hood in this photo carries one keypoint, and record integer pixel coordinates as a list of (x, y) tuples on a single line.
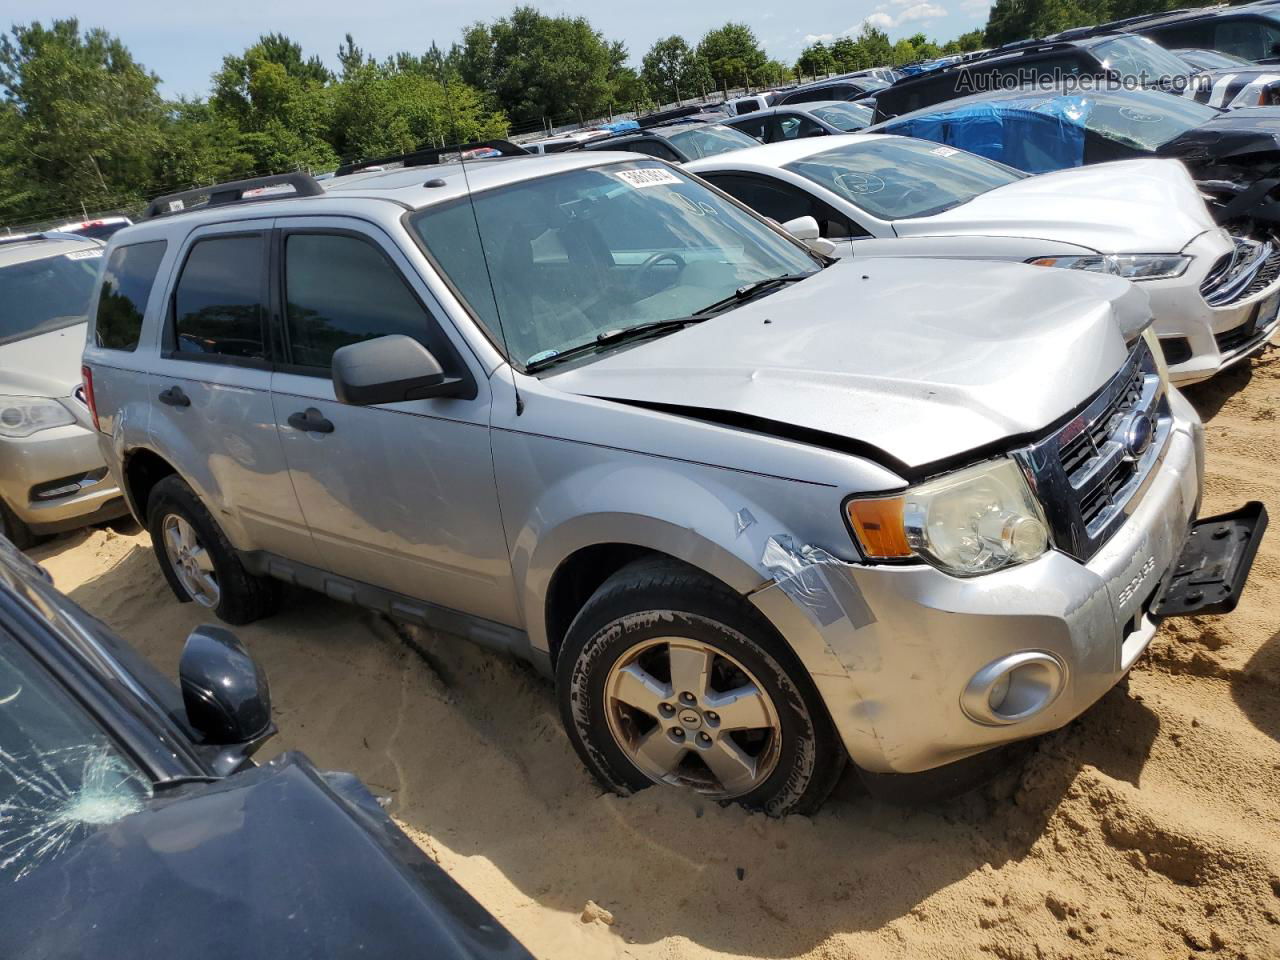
[(924, 360), (46, 365), (1132, 206)]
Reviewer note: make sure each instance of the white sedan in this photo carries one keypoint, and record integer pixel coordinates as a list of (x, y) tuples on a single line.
[(1214, 296)]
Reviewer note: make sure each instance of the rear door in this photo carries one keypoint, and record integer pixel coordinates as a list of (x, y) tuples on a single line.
[(401, 496), (211, 413)]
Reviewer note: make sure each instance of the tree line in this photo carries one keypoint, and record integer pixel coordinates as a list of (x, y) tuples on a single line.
[(84, 126)]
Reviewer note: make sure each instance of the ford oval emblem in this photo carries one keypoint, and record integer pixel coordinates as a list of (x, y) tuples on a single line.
[(1138, 436)]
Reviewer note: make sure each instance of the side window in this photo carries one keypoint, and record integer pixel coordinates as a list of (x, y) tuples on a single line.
[(219, 305), (126, 286), (767, 197), (1190, 35), (793, 126), (341, 289), (754, 127), (653, 148), (1251, 39)]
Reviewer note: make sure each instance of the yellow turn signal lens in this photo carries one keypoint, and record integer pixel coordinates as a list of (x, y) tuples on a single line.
[(878, 526)]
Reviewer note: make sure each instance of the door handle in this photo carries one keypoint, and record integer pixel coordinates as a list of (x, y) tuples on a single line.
[(174, 397), (312, 421)]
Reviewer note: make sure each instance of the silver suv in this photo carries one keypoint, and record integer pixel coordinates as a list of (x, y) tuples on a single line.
[(753, 509)]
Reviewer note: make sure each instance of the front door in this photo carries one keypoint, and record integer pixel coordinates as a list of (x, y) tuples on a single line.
[(401, 496), (212, 389)]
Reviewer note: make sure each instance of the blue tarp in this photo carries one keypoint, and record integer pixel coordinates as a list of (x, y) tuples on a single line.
[(618, 126), (1032, 134)]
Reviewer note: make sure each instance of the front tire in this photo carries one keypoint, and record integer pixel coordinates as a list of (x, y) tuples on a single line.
[(198, 560), (667, 676)]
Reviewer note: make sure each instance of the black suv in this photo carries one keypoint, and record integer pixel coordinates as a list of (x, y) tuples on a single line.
[(1251, 32), (837, 88), (1116, 57), (677, 142)]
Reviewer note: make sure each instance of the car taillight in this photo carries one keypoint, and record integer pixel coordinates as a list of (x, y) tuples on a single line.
[(86, 372)]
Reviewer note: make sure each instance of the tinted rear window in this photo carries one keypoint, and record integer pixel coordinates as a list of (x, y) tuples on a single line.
[(219, 303), (126, 286)]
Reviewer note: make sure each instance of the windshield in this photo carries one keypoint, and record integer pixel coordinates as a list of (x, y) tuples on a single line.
[(61, 777), (708, 140), (895, 178), (846, 116), (871, 84), (580, 254), (1141, 60), (41, 295), (1144, 119)]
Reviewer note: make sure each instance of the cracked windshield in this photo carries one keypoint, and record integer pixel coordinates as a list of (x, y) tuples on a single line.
[(61, 778), (587, 253)]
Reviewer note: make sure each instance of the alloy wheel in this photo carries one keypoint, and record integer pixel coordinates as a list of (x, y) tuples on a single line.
[(686, 713)]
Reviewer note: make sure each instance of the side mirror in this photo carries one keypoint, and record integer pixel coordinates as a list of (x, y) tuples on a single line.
[(389, 369), (225, 694), (805, 229)]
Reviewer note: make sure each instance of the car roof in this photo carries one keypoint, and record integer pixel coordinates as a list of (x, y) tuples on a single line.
[(773, 155), (38, 246), (404, 186)]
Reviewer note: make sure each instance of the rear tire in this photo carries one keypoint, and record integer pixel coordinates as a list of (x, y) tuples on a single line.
[(668, 676), (198, 560), (17, 532)]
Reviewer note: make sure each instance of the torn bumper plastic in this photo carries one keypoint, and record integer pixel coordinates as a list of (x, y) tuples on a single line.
[(892, 649)]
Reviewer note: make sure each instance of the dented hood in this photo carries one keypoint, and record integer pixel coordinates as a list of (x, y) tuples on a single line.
[(1132, 206), (1247, 134), (925, 360)]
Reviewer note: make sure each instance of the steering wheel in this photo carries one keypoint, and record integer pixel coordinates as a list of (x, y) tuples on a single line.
[(662, 256)]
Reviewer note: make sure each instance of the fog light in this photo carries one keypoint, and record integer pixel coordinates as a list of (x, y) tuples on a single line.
[(1014, 688)]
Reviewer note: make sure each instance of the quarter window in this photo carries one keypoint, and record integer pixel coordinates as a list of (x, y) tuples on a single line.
[(126, 286), (339, 290), (220, 301)]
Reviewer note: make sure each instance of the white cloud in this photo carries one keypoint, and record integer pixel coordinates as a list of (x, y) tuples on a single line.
[(918, 11), (811, 38), (881, 21), (921, 11)]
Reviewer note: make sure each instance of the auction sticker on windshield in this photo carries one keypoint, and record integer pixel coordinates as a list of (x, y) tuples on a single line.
[(647, 177), (85, 254)]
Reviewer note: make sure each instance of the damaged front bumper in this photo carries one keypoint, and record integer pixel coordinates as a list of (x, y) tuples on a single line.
[(896, 651)]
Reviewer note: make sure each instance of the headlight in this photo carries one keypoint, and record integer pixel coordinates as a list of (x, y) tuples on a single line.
[(1131, 266), (23, 416), (974, 521)]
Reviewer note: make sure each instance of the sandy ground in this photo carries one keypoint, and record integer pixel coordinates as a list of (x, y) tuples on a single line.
[(1148, 828)]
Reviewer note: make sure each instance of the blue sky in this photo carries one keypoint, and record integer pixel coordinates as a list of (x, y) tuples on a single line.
[(184, 42)]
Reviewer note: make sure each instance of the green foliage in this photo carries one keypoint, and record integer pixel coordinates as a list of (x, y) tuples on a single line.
[(537, 66), (871, 48), (673, 71), (733, 56), (82, 119)]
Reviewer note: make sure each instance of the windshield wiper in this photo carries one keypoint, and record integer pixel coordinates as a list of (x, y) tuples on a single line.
[(640, 330), (750, 291), (610, 337)]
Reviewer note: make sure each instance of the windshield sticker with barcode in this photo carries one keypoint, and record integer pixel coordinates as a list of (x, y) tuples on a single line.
[(647, 177), (944, 151), (85, 254)]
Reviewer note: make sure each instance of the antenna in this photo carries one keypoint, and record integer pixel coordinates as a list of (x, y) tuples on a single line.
[(493, 291)]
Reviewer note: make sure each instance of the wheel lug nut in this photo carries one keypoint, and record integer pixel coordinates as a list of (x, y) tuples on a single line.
[(712, 716), (666, 709), (704, 739), (677, 733), (687, 698)]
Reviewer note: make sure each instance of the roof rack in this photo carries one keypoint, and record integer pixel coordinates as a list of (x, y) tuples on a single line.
[(430, 156), (225, 194)]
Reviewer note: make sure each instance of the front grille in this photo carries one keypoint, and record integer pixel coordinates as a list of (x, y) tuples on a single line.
[(1091, 472), (1245, 272)]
